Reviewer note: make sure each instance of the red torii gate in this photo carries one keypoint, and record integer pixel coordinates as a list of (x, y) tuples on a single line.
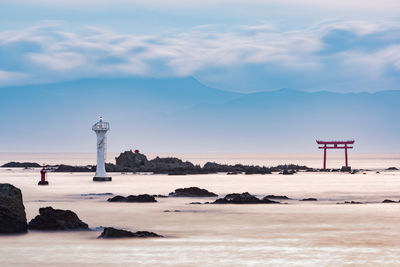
[(335, 145)]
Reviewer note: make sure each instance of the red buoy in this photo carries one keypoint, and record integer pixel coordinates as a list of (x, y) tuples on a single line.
[(136, 150), (43, 173)]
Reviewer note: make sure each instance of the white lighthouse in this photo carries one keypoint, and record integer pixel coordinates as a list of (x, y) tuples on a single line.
[(101, 129)]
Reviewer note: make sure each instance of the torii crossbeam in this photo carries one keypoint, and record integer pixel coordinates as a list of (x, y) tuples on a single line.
[(335, 145)]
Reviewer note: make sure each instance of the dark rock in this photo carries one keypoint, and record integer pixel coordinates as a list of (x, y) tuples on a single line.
[(43, 183), (234, 173), (68, 168), (276, 197), (141, 198), (110, 232), (256, 170), (309, 199), (55, 219), (131, 160), (12, 210), (192, 192), (243, 198), (160, 196), (96, 194), (345, 169), (133, 198), (389, 201), (195, 203), (392, 169), (117, 199), (288, 172), (13, 164), (350, 202)]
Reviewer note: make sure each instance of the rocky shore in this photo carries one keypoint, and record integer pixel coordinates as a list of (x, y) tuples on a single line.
[(136, 162)]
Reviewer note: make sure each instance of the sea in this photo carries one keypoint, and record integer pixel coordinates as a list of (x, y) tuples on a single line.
[(296, 233)]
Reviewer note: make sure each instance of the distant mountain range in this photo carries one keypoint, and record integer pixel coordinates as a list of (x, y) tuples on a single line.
[(181, 114)]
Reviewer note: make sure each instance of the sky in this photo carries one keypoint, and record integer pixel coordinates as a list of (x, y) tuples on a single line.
[(235, 45)]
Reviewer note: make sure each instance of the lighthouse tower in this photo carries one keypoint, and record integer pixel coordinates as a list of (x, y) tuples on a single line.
[(101, 128)]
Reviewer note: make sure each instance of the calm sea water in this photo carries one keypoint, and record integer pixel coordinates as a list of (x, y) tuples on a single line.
[(297, 234)]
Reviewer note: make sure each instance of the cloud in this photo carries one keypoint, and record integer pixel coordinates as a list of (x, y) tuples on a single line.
[(52, 51)]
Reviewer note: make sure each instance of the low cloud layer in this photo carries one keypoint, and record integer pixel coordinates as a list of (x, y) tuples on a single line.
[(52, 51)]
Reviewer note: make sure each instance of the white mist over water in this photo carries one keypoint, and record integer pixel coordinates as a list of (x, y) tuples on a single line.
[(297, 234)]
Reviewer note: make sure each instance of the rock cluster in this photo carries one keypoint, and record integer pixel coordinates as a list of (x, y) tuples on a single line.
[(130, 161), (55, 219), (243, 198), (12, 210), (133, 198), (68, 168), (110, 232), (192, 192), (13, 164)]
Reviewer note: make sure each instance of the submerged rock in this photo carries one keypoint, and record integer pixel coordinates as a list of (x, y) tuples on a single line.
[(110, 232), (56, 219), (309, 199), (392, 169), (350, 202), (243, 198), (133, 198), (276, 197), (12, 210), (192, 192)]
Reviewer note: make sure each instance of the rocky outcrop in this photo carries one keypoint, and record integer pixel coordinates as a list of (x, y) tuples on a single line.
[(68, 168), (132, 160), (55, 219), (12, 210), (392, 169), (243, 198), (309, 199), (133, 198), (389, 201), (13, 164), (110, 232), (192, 192)]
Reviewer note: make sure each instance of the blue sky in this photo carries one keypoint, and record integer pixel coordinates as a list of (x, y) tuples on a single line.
[(244, 46)]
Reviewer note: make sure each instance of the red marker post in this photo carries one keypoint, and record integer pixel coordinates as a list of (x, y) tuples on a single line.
[(43, 174)]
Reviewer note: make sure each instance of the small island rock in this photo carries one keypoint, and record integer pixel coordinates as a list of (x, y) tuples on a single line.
[(56, 219), (243, 198), (133, 198), (192, 192), (110, 232)]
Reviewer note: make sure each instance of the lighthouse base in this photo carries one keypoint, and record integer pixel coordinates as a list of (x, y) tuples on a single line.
[(43, 183), (102, 179)]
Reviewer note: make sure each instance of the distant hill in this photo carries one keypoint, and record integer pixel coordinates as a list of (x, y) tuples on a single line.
[(181, 114)]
